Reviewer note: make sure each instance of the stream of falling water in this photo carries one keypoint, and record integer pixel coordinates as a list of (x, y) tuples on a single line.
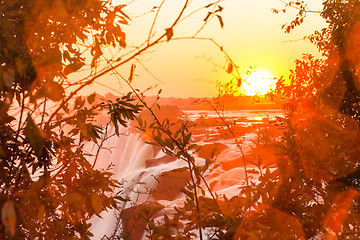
[(127, 154)]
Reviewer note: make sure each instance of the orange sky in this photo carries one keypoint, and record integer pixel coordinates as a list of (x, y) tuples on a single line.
[(252, 36)]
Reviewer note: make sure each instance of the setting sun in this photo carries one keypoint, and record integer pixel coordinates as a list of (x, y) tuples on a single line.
[(257, 83)]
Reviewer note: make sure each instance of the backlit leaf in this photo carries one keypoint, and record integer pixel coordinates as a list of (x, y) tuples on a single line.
[(239, 82), (229, 68), (96, 203), (207, 16), (91, 98), (220, 21), (73, 67), (54, 91), (169, 33), (34, 136), (41, 213), (9, 78), (132, 69)]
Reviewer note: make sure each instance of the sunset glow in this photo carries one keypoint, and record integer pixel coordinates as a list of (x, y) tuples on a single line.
[(257, 83)]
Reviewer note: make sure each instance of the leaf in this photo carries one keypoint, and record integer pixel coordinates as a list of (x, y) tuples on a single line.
[(207, 16), (96, 203), (9, 77), (220, 21), (41, 213), (239, 82), (229, 68), (169, 33), (122, 43), (169, 143), (288, 29), (34, 135), (132, 69), (73, 67), (187, 138), (91, 98), (8, 216), (53, 91), (66, 56), (252, 171), (20, 66), (124, 14)]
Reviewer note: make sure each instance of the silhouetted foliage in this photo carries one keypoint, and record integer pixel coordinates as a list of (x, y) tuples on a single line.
[(321, 130), (313, 193), (48, 187)]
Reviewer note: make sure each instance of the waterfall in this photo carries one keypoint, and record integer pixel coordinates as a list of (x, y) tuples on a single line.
[(140, 167), (127, 154)]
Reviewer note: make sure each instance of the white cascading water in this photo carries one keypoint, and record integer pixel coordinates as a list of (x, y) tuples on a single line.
[(128, 155)]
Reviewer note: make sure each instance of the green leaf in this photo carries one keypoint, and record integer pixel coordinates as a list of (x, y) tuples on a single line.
[(34, 135)]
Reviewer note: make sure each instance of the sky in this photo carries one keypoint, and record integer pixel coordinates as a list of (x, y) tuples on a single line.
[(251, 36)]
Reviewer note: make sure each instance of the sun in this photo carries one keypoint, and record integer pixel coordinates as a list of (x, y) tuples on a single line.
[(258, 82)]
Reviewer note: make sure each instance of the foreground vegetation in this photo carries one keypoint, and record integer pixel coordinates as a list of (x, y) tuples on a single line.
[(313, 193), (50, 188)]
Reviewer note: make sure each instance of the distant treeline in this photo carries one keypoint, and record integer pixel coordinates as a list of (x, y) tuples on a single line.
[(225, 102)]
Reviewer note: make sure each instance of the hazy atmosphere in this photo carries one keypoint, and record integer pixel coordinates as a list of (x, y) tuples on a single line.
[(251, 35), (180, 119)]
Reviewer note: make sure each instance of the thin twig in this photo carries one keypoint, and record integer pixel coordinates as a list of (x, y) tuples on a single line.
[(154, 21), (292, 6), (107, 70), (234, 137)]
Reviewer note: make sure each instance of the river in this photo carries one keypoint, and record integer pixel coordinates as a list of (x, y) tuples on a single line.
[(150, 175)]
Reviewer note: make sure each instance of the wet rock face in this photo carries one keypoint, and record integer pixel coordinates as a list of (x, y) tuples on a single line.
[(167, 188), (208, 150), (133, 222), (159, 161), (170, 183)]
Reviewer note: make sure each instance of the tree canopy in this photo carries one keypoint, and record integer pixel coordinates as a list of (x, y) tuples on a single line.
[(49, 189)]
